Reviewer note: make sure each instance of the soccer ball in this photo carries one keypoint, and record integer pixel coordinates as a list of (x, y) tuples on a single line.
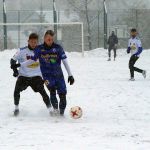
[(76, 112)]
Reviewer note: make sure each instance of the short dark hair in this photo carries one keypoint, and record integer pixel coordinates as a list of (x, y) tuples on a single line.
[(33, 36), (49, 32), (133, 30)]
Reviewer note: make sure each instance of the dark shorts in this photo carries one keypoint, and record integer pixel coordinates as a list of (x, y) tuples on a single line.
[(36, 83), (57, 83)]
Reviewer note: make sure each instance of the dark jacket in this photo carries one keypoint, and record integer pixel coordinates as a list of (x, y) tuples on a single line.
[(112, 40)]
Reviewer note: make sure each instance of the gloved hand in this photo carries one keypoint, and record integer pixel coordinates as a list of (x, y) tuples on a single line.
[(128, 52), (14, 66), (71, 80), (16, 73)]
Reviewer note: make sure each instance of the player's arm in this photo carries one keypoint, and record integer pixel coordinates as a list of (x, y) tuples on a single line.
[(30, 59), (36, 55), (17, 55), (140, 49), (13, 63), (129, 48), (27, 63), (67, 67)]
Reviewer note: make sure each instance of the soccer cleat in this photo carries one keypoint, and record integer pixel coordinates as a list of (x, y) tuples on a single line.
[(132, 79), (16, 112), (109, 59), (62, 112), (144, 73), (51, 110), (56, 112)]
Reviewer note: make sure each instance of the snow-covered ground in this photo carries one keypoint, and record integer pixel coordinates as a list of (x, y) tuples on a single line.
[(116, 112)]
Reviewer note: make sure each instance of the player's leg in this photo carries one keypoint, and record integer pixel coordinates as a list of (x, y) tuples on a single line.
[(37, 84), (62, 103), (132, 61), (53, 97), (50, 83), (139, 70), (40, 88), (21, 84), (115, 53), (62, 91), (109, 53), (131, 64)]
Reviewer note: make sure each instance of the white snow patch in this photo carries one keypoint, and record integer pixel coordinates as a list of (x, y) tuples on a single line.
[(116, 112)]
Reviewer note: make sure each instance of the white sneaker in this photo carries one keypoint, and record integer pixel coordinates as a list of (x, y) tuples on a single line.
[(144, 73), (132, 79)]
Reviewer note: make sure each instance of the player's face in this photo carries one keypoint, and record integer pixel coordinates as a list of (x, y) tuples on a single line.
[(133, 34), (48, 39), (33, 43)]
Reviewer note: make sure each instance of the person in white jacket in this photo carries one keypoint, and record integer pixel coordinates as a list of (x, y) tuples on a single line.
[(29, 73), (135, 48)]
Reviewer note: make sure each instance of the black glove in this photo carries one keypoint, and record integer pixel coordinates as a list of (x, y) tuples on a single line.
[(71, 80), (14, 66), (16, 73), (128, 52)]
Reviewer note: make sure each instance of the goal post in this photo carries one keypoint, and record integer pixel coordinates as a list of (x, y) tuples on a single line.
[(70, 35)]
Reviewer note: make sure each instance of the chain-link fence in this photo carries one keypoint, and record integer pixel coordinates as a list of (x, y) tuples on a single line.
[(68, 34), (120, 21)]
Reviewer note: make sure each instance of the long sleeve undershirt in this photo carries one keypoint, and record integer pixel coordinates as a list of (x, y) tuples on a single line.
[(65, 62)]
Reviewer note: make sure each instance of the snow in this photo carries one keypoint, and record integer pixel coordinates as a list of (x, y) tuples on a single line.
[(116, 112)]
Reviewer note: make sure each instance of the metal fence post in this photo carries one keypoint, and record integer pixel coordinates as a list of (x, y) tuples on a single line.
[(4, 26)]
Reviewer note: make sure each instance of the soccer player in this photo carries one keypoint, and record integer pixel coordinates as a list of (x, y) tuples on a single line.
[(112, 42), (135, 48), (29, 73), (50, 56)]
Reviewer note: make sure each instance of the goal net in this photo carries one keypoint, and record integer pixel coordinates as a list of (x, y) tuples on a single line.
[(69, 35)]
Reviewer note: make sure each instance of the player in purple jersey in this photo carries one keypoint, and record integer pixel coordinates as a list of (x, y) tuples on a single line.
[(50, 56)]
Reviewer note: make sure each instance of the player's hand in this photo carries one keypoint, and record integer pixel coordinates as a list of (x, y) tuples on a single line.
[(128, 52), (16, 73), (71, 80), (14, 66)]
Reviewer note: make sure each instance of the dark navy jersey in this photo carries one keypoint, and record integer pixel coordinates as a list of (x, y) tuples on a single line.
[(50, 59)]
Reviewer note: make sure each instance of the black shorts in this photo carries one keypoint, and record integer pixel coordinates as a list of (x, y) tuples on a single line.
[(36, 83)]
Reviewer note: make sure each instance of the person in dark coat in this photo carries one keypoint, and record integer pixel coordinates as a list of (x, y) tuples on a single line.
[(112, 45)]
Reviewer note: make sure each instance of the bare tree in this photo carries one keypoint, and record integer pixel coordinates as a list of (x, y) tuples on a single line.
[(82, 8)]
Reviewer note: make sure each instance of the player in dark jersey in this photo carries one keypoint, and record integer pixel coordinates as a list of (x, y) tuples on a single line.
[(50, 56)]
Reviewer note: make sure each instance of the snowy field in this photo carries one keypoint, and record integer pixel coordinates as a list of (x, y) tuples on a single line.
[(116, 111)]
